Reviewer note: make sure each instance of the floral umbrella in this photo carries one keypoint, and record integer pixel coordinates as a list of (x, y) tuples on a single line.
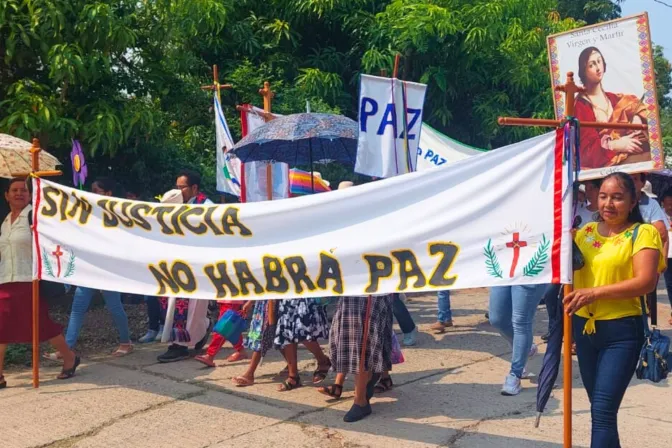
[(302, 139), (15, 157)]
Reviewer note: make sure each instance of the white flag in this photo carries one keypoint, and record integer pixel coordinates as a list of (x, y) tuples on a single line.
[(436, 149), (388, 110), (228, 166)]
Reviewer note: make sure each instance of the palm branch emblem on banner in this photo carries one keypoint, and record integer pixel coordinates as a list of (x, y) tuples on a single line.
[(516, 241), (60, 263)]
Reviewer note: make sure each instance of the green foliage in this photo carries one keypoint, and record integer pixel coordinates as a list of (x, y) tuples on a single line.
[(539, 260), (491, 261), (124, 77)]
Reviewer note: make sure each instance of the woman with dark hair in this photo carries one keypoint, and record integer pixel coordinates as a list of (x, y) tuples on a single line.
[(16, 275), (81, 301), (607, 147), (623, 257)]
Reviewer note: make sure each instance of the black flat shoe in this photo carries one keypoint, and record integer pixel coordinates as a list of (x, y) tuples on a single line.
[(357, 413), (174, 353), (66, 374), (545, 337), (3, 383)]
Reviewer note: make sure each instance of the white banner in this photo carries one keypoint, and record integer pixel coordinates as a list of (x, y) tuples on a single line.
[(485, 221), (436, 149), (228, 168), (381, 146)]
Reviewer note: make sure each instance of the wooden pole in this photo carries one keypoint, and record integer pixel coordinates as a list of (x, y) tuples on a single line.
[(267, 94), (395, 70), (35, 171), (571, 89), (35, 166)]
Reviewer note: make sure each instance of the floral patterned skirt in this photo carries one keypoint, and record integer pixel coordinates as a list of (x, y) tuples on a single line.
[(300, 320)]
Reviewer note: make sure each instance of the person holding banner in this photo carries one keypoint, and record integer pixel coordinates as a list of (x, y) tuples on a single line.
[(187, 322), (16, 275), (301, 320), (512, 310), (81, 301), (623, 257)]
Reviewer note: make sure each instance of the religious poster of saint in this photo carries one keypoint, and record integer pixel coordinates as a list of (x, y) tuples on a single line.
[(613, 62)]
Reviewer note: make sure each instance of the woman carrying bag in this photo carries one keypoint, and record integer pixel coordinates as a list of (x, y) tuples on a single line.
[(608, 327)]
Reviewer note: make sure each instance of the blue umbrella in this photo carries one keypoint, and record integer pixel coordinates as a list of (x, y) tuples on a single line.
[(551, 364), (302, 139)]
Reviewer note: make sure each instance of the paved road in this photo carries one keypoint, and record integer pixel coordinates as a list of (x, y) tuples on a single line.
[(446, 394)]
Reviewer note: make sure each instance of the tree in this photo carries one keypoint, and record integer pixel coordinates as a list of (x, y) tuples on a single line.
[(590, 11)]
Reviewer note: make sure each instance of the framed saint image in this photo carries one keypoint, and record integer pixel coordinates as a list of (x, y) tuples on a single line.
[(613, 62)]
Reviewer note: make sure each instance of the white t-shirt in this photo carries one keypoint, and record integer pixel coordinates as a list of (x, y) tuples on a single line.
[(16, 249), (652, 211), (584, 216)]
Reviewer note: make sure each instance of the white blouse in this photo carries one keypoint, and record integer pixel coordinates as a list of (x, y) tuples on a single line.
[(16, 249)]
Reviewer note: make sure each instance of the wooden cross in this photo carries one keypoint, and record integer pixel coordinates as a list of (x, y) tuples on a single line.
[(570, 89), (268, 95), (216, 86)]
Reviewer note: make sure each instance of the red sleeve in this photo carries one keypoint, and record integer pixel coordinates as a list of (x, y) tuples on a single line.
[(592, 153)]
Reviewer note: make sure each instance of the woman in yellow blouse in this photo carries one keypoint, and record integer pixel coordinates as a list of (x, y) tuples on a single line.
[(608, 327)]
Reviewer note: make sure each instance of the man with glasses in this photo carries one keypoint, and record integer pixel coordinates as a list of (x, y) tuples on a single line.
[(191, 324)]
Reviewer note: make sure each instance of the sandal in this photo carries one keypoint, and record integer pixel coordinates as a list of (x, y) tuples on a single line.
[(321, 373), (334, 391), (3, 383), (286, 385), (118, 353), (236, 356), (241, 381), (66, 374), (53, 356), (383, 385), (205, 360)]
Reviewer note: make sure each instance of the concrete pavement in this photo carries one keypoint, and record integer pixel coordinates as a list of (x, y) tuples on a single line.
[(446, 394)]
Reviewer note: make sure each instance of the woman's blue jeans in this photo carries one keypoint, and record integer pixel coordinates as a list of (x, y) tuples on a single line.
[(80, 305), (445, 313), (512, 310), (607, 361)]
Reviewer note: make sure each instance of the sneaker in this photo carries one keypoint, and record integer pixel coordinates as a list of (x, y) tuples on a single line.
[(410, 338), (511, 385), (150, 336), (175, 353), (527, 375), (533, 350), (440, 327), (159, 334)]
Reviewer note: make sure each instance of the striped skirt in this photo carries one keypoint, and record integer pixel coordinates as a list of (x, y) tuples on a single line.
[(347, 327)]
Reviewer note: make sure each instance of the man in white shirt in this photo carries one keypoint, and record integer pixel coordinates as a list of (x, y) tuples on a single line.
[(189, 183), (588, 212), (198, 323)]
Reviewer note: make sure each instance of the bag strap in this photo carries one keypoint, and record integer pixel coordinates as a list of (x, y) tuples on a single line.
[(642, 301)]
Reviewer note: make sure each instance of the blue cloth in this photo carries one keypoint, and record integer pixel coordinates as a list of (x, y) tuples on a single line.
[(80, 305), (512, 310), (607, 360), (445, 314)]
